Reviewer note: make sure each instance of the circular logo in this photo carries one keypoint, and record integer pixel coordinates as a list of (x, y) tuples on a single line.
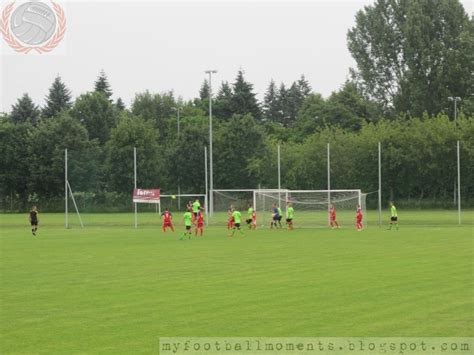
[(33, 26), (33, 23)]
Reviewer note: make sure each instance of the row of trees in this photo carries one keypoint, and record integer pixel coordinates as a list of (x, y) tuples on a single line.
[(407, 112)]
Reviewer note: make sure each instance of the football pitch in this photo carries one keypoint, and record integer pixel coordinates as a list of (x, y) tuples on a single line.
[(112, 289)]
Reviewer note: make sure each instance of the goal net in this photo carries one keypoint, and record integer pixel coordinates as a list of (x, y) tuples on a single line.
[(311, 206), (223, 199)]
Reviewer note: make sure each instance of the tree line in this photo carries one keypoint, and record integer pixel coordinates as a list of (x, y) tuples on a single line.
[(397, 94)]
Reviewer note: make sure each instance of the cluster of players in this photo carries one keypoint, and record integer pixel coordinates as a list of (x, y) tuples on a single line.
[(194, 217)]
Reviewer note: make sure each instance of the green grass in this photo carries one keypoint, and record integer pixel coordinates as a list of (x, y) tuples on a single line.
[(112, 289)]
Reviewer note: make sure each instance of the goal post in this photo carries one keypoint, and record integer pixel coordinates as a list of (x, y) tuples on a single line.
[(311, 206)]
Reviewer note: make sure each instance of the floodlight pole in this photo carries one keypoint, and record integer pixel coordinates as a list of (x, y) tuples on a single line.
[(211, 182), (459, 184), (135, 180), (455, 99), (66, 220), (205, 182), (329, 184), (380, 184), (279, 177), (179, 177)]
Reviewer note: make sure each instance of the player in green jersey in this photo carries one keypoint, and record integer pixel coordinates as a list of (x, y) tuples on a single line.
[(393, 216), (196, 206), (237, 220), (188, 222), (249, 216), (290, 214)]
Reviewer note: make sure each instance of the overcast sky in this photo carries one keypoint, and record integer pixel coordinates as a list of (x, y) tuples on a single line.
[(163, 46)]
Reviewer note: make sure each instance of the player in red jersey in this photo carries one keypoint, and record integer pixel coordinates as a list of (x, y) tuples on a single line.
[(199, 223), (230, 222), (359, 217), (167, 216), (254, 220), (332, 217)]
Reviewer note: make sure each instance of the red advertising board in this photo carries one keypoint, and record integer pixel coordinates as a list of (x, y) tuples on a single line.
[(146, 195)]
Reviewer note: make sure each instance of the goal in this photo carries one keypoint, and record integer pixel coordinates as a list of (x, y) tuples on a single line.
[(311, 206)]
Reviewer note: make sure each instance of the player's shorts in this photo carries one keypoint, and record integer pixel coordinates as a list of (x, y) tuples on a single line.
[(289, 220), (248, 221), (276, 218), (237, 225), (188, 228), (34, 222), (359, 220), (332, 219), (279, 218), (195, 214), (394, 219), (200, 225), (167, 224)]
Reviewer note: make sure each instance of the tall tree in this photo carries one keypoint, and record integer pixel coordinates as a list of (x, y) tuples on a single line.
[(204, 91), (244, 100), (349, 109), (303, 86), (58, 99), (237, 141), (271, 109), (222, 106), (102, 84), (410, 55), (47, 168), (96, 113), (15, 140), (158, 108), (120, 104), (134, 132), (24, 110), (282, 104)]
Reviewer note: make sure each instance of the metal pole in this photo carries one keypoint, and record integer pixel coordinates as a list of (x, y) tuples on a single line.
[(455, 129), (205, 182), (329, 184), (459, 185), (380, 184), (179, 177), (135, 180), (279, 178), (211, 181), (455, 99), (65, 190)]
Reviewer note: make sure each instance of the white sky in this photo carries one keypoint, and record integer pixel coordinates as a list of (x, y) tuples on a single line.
[(160, 46)]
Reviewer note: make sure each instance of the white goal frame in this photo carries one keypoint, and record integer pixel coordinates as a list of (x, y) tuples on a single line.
[(284, 195)]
